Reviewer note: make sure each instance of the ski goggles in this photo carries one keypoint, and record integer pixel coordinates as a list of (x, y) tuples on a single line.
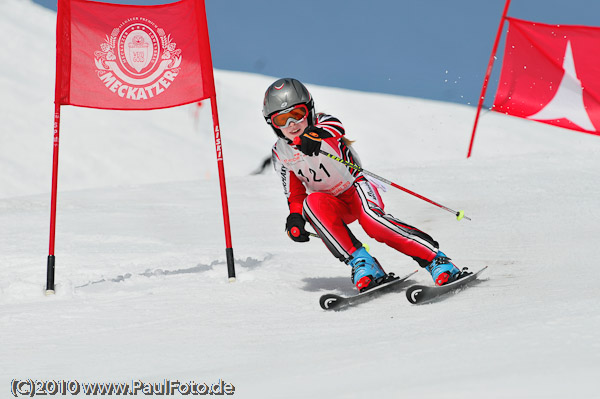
[(295, 114)]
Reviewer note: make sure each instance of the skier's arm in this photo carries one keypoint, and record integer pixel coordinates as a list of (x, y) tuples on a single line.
[(294, 190), (294, 224), (296, 193)]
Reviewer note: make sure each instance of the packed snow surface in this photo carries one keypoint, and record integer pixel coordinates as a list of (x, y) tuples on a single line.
[(141, 281)]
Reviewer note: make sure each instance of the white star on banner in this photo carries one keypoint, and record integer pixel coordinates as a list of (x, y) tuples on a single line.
[(568, 100)]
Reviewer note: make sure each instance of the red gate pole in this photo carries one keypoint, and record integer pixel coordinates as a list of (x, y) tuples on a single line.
[(53, 197), (487, 76), (59, 74), (220, 165)]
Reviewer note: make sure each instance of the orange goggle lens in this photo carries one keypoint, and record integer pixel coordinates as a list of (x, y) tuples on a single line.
[(284, 118)]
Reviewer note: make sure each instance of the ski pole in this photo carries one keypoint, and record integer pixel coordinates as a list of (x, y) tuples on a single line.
[(459, 215)]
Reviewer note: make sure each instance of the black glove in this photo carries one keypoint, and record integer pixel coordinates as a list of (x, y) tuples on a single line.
[(310, 140), (294, 226)]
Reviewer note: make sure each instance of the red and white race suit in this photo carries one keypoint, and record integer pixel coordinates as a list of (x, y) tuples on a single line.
[(331, 195)]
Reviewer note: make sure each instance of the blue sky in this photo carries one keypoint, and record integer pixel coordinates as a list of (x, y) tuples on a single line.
[(435, 49)]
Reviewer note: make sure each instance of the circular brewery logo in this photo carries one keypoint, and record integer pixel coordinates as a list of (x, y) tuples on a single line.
[(138, 60)]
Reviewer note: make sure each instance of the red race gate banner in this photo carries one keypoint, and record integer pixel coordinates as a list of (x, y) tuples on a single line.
[(551, 74), (126, 57)]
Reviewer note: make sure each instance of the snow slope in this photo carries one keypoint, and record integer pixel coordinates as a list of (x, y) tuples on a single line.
[(142, 291)]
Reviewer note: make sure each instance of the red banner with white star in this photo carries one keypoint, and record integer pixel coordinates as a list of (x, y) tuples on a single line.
[(117, 56), (551, 74)]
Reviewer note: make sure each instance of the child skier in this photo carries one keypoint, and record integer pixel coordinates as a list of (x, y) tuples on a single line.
[(330, 195)]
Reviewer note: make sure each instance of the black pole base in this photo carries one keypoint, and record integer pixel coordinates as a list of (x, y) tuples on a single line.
[(230, 264), (50, 276)]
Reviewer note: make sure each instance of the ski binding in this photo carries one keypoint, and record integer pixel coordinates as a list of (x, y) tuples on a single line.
[(422, 293)]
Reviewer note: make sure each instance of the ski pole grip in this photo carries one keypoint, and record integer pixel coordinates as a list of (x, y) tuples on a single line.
[(294, 231), (297, 140)]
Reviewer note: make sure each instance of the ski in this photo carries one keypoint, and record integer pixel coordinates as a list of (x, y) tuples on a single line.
[(336, 302), (422, 293)]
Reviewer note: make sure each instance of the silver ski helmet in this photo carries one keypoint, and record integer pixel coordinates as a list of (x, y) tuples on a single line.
[(285, 93)]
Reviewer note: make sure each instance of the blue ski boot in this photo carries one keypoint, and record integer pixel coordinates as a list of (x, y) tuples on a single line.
[(365, 269), (441, 269)]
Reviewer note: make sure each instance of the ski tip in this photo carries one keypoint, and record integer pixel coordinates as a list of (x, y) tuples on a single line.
[(330, 301), (412, 294)]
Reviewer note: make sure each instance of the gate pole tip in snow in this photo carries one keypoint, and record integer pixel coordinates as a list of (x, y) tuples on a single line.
[(50, 276), (230, 264)]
